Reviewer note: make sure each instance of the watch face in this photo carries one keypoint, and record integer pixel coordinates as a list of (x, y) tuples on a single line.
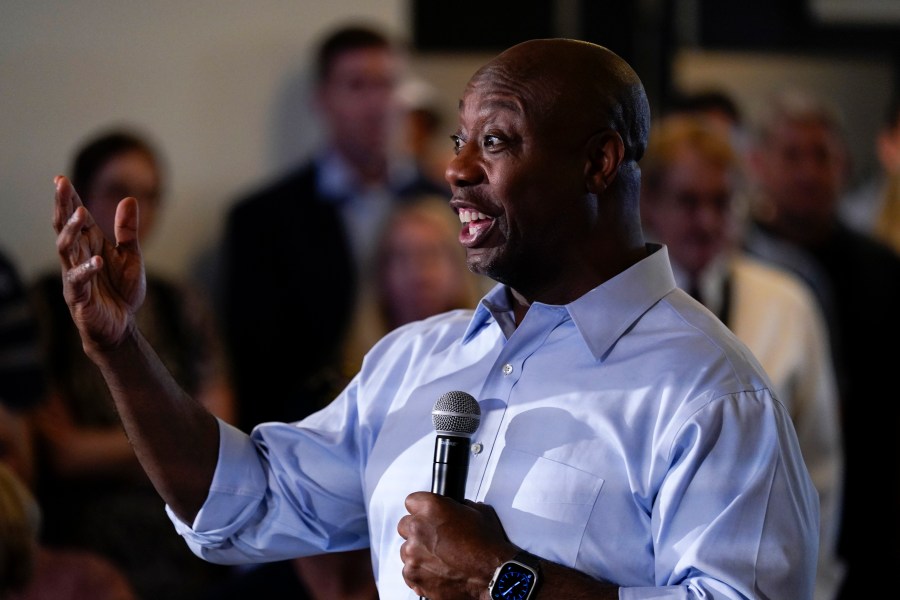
[(513, 582)]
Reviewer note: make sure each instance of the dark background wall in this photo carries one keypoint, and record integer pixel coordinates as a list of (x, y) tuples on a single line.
[(223, 84), (649, 33)]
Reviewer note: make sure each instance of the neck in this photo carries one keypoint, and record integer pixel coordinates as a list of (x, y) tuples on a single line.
[(581, 279), (519, 304)]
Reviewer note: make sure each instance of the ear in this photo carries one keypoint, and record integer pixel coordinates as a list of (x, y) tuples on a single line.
[(605, 152)]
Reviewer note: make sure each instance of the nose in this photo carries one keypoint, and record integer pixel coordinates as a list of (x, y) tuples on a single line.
[(464, 169)]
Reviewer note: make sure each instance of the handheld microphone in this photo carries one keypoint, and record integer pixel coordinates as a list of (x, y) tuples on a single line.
[(455, 416)]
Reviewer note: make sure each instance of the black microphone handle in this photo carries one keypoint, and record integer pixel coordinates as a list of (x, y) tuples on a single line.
[(451, 466)]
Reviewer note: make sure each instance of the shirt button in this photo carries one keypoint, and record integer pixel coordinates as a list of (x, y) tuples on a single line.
[(507, 369), (477, 447)]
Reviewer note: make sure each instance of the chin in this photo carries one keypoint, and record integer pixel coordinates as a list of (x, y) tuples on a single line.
[(477, 264)]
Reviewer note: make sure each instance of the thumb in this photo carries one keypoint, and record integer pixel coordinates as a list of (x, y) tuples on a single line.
[(126, 225)]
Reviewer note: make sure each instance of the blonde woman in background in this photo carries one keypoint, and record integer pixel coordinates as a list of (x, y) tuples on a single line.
[(419, 270)]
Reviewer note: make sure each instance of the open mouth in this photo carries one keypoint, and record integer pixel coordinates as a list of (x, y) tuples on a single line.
[(476, 226)]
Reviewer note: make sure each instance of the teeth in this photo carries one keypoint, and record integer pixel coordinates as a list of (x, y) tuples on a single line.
[(466, 215)]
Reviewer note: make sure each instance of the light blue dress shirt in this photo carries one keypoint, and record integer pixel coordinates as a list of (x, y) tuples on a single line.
[(628, 435)]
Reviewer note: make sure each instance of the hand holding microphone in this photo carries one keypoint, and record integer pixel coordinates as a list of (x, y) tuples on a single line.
[(447, 540), (455, 417)]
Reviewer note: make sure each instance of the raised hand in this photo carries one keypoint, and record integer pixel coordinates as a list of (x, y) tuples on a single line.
[(103, 280), (173, 436)]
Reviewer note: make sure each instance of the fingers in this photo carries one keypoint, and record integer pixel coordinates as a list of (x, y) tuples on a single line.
[(67, 201), (79, 241), (410, 556), (126, 225), (77, 238), (70, 220), (79, 274), (69, 234), (416, 501)]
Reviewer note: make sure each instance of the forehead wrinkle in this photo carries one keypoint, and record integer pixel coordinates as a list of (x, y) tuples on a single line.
[(494, 105), (515, 91), (496, 101), (502, 103)]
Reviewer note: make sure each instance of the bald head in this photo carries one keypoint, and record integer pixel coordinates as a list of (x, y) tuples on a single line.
[(546, 168), (576, 84)]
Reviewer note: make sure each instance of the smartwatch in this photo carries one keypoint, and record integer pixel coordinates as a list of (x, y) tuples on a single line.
[(516, 579)]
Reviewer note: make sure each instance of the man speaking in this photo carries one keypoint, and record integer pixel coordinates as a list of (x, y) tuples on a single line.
[(629, 446)]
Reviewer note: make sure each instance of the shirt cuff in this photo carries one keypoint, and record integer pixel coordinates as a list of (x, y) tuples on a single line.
[(237, 487)]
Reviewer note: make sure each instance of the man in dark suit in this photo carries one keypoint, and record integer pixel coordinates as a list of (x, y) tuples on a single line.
[(273, 296), (800, 162)]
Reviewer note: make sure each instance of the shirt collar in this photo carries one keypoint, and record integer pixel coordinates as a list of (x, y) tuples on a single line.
[(494, 307), (336, 181), (603, 314)]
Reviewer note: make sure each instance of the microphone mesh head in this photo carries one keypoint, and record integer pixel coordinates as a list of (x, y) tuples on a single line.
[(456, 413)]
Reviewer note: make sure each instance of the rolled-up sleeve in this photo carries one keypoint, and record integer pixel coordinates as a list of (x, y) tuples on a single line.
[(234, 494), (287, 490)]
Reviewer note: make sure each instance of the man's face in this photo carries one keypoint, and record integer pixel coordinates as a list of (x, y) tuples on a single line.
[(692, 211), (358, 101), (801, 170), (517, 182)]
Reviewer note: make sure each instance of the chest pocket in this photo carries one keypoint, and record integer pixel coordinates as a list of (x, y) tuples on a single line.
[(543, 501)]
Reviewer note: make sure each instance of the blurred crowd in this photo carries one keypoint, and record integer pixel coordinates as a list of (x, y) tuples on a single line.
[(758, 218)]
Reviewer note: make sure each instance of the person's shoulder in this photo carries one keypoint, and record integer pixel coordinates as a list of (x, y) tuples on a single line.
[(427, 335), (775, 283), (436, 325), (300, 181), (867, 251), (772, 249), (689, 335)]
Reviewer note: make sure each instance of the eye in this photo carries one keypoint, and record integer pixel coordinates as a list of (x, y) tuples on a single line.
[(458, 143), (490, 141)]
